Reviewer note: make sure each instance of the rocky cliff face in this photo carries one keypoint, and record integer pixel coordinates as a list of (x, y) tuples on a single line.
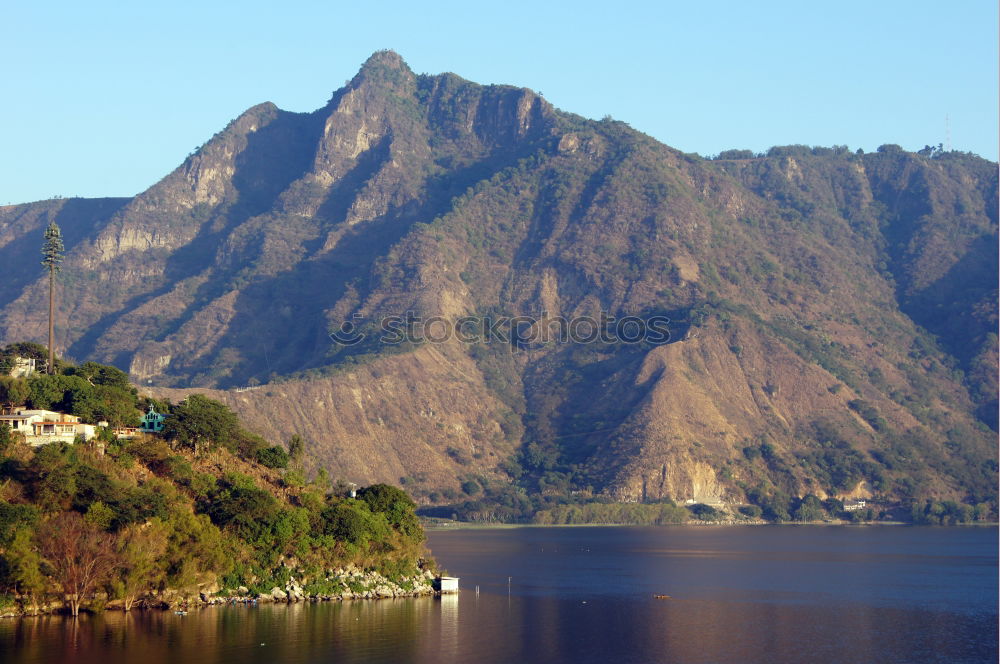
[(832, 314)]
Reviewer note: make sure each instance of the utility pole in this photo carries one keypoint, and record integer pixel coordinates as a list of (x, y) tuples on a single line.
[(52, 251)]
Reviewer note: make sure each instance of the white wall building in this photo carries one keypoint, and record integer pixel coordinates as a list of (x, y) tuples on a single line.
[(23, 366), (40, 427)]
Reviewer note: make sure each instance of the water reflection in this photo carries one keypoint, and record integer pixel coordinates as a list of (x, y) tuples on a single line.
[(448, 609), (588, 597)]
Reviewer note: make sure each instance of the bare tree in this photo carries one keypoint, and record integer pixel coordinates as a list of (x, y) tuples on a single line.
[(79, 555)]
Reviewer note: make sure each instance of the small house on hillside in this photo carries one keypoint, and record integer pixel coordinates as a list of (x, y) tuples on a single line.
[(23, 366), (17, 421), (152, 421), (854, 505)]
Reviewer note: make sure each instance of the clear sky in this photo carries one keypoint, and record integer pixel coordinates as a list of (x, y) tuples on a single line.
[(104, 98)]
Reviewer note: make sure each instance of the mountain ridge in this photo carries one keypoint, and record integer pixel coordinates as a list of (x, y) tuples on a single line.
[(799, 282)]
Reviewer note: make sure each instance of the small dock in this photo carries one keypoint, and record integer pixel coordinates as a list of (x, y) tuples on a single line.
[(446, 584)]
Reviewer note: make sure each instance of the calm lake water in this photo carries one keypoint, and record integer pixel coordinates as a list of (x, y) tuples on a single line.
[(755, 594)]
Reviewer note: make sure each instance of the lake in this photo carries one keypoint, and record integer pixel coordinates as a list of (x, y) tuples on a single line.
[(736, 594)]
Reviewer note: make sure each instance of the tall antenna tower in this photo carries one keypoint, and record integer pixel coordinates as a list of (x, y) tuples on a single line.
[(947, 133)]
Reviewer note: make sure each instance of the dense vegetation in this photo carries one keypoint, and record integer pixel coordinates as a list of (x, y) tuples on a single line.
[(205, 507), (763, 504)]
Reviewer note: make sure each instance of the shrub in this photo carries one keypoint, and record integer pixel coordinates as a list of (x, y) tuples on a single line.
[(809, 509), (351, 521), (273, 457), (398, 508), (869, 414), (704, 512)]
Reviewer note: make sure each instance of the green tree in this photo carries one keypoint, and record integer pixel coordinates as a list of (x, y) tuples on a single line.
[(198, 421), (75, 393), (196, 550), (13, 517), (322, 480), (13, 391), (102, 374), (45, 392), (296, 448), (809, 509), (99, 515), (6, 437), (398, 508), (140, 548), (27, 349), (704, 512), (53, 471), (114, 405), (345, 523), (736, 154), (52, 253), (272, 457), (21, 564)]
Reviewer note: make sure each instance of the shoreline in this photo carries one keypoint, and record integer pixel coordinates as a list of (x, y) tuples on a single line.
[(203, 606), (349, 583), (475, 525)]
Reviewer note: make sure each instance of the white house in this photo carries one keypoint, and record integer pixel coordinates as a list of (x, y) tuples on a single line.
[(19, 423), (41, 427), (23, 366)]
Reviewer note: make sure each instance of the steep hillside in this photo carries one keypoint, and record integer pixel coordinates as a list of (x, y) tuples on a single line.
[(203, 506), (836, 310)]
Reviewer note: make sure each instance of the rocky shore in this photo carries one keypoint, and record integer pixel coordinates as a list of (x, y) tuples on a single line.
[(345, 583), (341, 584)]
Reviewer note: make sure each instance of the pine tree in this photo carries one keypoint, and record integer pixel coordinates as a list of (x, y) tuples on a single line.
[(52, 252)]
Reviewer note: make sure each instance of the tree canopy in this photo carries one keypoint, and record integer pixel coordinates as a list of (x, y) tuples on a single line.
[(199, 421)]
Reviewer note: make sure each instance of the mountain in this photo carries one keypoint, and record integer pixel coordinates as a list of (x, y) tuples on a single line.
[(832, 314)]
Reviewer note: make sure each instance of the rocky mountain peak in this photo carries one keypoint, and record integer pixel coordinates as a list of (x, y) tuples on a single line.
[(385, 58), (802, 355), (384, 68)]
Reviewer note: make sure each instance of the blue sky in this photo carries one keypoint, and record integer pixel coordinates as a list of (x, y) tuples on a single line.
[(105, 98)]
